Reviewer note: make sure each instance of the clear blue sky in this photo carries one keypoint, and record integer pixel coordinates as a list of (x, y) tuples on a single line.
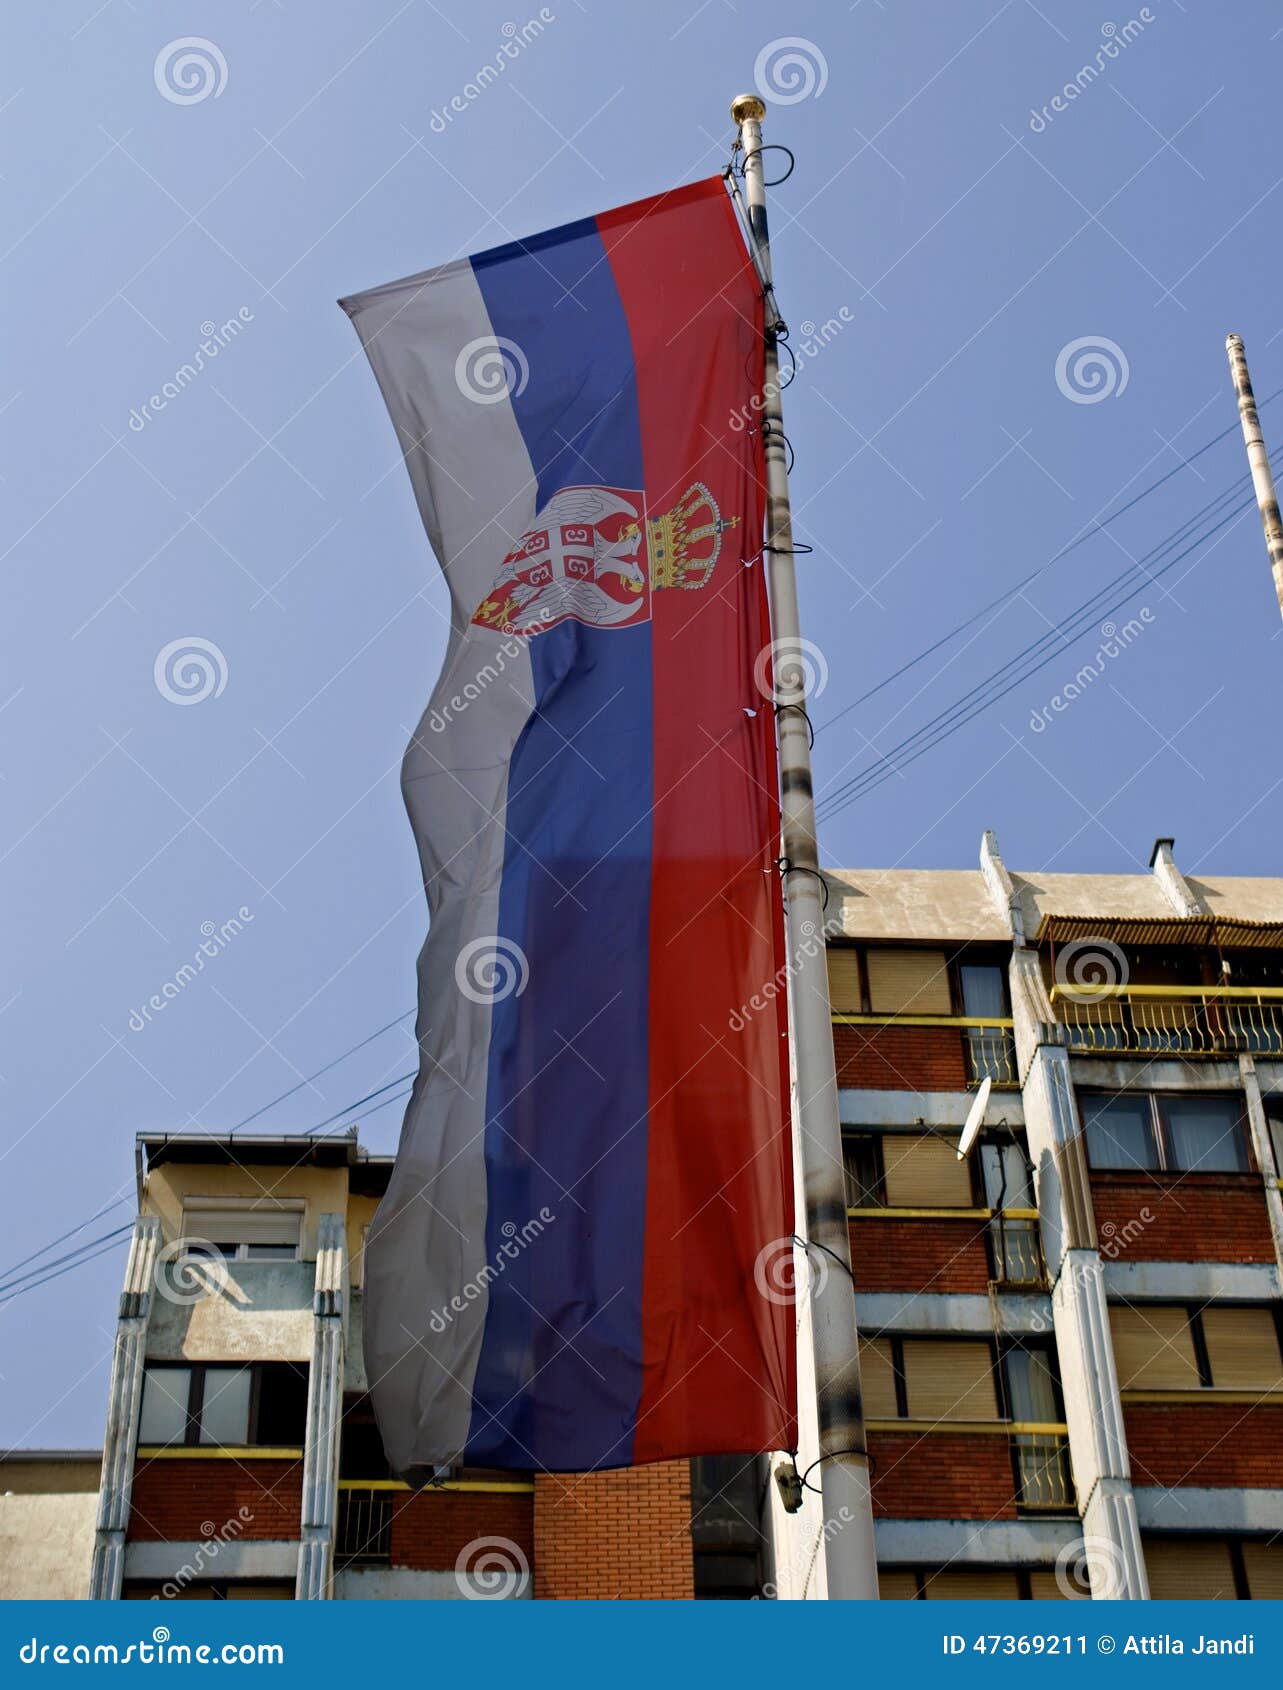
[(265, 510)]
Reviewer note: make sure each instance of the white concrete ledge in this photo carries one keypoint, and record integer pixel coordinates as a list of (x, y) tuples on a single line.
[(971, 1543), (1192, 1281), (208, 1559), (1193, 1509), (908, 1109), (920, 1311)]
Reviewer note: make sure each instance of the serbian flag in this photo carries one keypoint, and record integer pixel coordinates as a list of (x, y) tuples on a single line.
[(577, 1264)]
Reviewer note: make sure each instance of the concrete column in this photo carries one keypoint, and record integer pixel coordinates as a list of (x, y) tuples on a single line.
[(120, 1439), (1175, 887), (1263, 1148), (1111, 1548), (324, 1415)]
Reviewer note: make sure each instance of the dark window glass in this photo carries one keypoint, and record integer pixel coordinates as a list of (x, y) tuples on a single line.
[(1120, 1132), (1204, 1134), (861, 1155), (984, 990), (282, 1404)]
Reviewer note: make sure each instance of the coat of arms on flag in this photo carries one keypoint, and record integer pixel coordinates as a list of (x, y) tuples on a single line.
[(590, 556)]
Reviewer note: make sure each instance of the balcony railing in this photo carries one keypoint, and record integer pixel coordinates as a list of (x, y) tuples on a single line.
[(1043, 1477), (1186, 1020), (1015, 1249), (365, 1527)]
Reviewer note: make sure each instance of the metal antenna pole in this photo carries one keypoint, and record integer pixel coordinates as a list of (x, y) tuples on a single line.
[(1259, 460), (850, 1561)]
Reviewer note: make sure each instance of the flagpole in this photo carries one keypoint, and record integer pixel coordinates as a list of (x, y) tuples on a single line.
[(843, 1466), (1258, 459)]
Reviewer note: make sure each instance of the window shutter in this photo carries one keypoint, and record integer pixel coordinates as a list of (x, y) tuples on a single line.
[(1153, 1348), (1243, 1348), (1264, 1563), (1189, 1571), (242, 1226), (844, 979), (877, 1380), (908, 983), (895, 1585), (950, 1380), (925, 1173), (978, 1584), (1046, 1587)]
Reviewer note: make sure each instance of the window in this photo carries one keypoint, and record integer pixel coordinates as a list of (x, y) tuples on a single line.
[(224, 1405), (1225, 1569), (909, 982), (924, 1172), (844, 980), (928, 1379), (248, 1233), (969, 1584), (1172, 1347), (1120, 1132), (905, 1171), (1190, 1132), (862, 1160), (208, 1590)]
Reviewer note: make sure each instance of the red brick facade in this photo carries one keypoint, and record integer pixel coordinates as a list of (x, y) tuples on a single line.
[(1212, 1444), (941, 1476), (601, 1536), (177, 1500), (919, 1255), (431, 1530), (1181, 1217), (899, 1058)]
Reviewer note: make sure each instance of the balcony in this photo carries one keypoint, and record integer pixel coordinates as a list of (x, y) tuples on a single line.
[(1182, 1020), (988, 1044)]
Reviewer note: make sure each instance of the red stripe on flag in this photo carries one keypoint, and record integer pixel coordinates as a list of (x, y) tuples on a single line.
[(718, 1343)]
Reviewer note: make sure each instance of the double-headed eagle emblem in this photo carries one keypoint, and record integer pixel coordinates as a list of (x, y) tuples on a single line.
[(592, 556)]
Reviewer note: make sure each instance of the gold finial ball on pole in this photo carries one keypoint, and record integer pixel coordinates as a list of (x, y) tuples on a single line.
[(746, 106)]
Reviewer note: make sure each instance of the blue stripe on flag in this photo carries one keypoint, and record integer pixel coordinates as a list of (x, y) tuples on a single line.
[(569, 1059)]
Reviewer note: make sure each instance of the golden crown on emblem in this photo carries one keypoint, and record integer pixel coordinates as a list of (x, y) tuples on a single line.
[(684, 543)]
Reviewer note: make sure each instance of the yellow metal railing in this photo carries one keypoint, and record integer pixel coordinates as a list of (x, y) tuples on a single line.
[(1192, 1020), (1042, 1471), (988, 1040)]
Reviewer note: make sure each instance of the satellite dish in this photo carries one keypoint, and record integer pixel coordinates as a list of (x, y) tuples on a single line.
[(975, 1118)]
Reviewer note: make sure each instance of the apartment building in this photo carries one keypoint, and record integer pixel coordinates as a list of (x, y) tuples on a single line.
[(1072, 1373)]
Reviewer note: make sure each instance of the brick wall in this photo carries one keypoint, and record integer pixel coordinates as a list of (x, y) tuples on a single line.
[(174, 1498), (919, 1255), (941, 1476), (614, 1535), (1181, 1217), (895, 1058), (431, 1530), (1212, 1444)]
